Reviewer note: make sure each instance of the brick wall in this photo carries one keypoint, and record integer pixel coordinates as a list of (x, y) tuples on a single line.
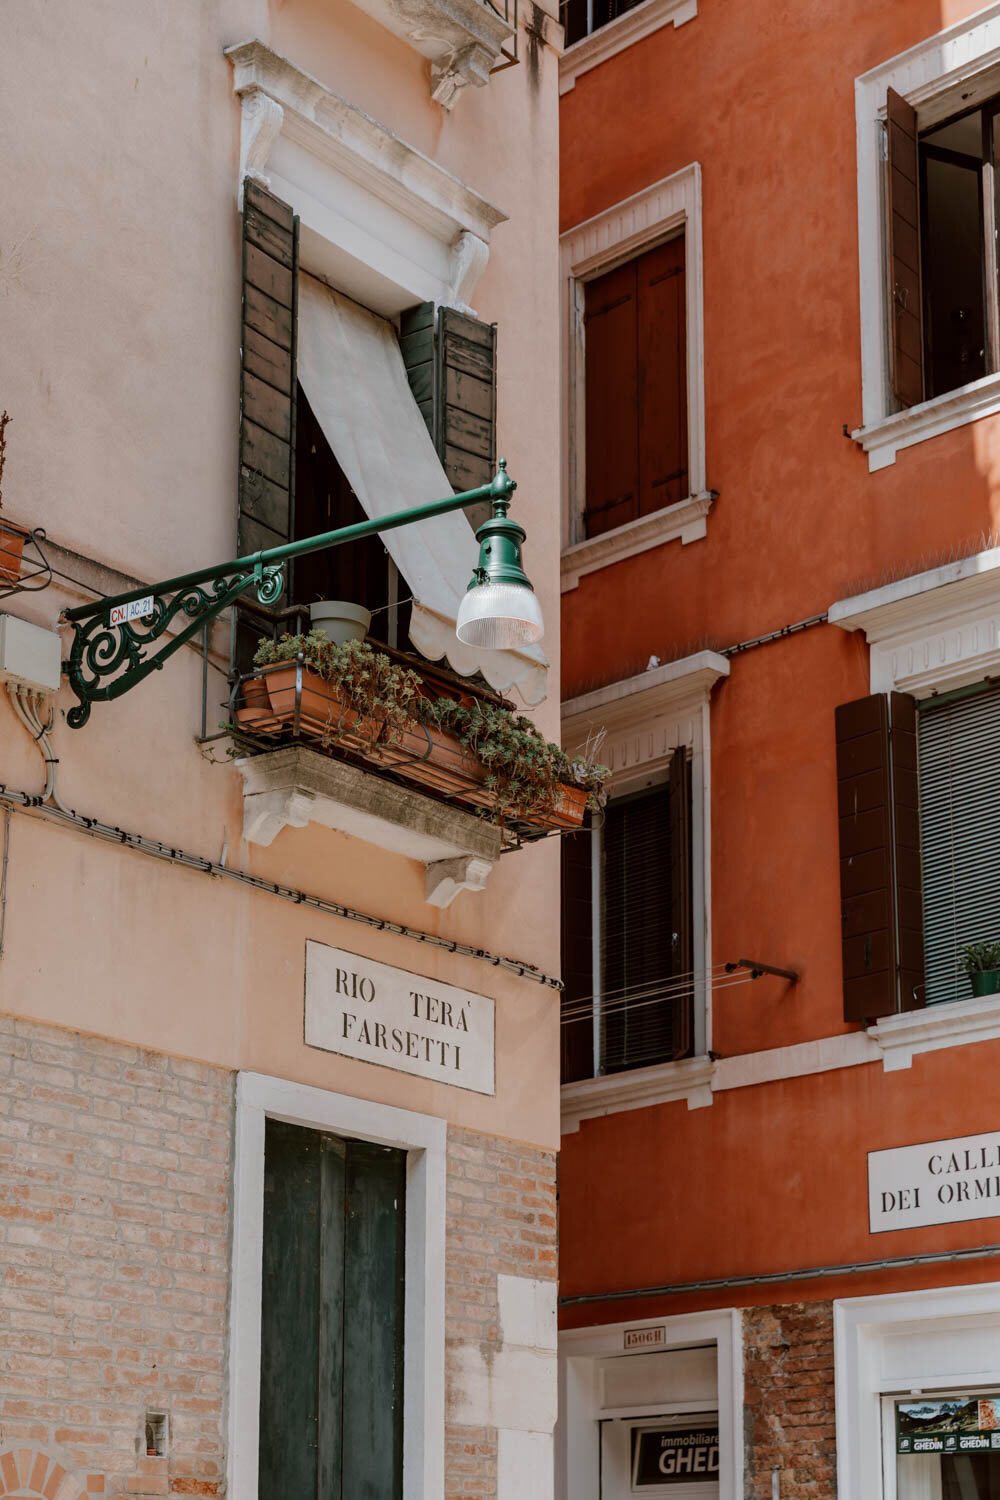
[(114, 1259), (501, 1220), (789, 1401)]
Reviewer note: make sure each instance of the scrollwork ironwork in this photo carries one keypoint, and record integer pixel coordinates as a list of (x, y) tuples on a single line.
[(107, 659)]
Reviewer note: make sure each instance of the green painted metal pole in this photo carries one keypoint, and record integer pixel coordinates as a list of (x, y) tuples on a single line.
[(500, 488)]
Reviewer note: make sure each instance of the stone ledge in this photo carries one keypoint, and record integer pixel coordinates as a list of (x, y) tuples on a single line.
[(291, 787)]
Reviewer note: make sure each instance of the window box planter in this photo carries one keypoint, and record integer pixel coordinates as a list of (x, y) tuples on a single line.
[(12, 540), (294, 700)]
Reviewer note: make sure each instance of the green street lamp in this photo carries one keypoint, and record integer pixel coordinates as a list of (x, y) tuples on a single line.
[(499, 610), (111, 638)]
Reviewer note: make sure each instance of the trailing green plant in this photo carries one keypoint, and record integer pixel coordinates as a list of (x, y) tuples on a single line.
[(367, 681), (524, 769), (975, 958)]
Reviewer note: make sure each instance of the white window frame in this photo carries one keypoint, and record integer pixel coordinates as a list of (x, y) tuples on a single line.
[(581, 1351), (624, 31), (649, 218), (949, 72), (424, 1139), (874, 1338), (647, 720), (932, 633)]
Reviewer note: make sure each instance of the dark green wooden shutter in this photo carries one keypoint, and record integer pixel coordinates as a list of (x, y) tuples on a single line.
[(577, 1030), (881, 923), (452, 369), (903, 216), (267, 387), (331, 1404)]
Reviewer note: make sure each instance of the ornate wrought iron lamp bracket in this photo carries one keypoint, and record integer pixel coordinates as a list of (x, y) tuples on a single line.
[(112, 639)]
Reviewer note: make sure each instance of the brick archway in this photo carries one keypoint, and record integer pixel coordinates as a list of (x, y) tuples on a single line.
[(26, 1470)]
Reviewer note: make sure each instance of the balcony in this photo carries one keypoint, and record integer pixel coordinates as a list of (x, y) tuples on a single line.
[(407, 756)]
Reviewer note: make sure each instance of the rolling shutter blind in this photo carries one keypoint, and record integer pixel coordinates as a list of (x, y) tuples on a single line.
[(879, 856), (452, 370), (904, 250), (576, 914), (646, 1001), (267, 389), (331, 1393), (636, 388), (959, 756)]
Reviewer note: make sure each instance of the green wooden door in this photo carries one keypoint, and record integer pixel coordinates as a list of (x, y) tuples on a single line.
[(331, 1395)]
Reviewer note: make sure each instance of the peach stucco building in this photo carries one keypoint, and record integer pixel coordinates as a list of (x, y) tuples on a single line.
[(779, 1195), (279, 1032)]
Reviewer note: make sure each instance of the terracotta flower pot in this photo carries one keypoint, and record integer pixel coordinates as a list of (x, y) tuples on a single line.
[(322, 714), (566, 811), (256, 711), (12, 540), (433, 757)]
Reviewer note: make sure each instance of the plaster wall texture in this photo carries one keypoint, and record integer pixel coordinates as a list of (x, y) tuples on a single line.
[(763, 99), (120, 265)]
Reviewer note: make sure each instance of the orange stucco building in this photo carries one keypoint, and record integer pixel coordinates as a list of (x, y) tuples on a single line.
[(753, 1302)]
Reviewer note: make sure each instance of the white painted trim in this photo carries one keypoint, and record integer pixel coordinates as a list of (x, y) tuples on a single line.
[(646, 718), (851, 1049), (590, 51), (931, 632), (380, 220), (863, 1328), (596, 245), (581, 1349), (954, 1023), (689, 1079), (424, 1138), (686, 520), (941, 75)]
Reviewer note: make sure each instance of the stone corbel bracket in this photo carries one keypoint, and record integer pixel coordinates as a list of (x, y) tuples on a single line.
[(295, 786), (260, 127), (456, 70), (469, 255)]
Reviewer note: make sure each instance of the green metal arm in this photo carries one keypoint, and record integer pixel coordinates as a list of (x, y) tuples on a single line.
[(109, 655)]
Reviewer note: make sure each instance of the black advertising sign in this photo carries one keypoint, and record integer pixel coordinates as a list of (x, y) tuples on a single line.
[(675, 1455), (948, 1424)]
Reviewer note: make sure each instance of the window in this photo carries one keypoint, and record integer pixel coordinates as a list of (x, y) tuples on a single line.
[(627, 933), (636, 389), (942, 217), (945, 1445), (581, 17), (959, 833), (331, 1388)]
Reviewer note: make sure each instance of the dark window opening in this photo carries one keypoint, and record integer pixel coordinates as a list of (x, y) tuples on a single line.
[(626, 934), (953, 253), (581, 17)]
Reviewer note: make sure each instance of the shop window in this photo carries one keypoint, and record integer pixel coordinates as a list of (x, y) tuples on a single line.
[(635, 389), (942, 242), (945, 1446), (627, 933), (331, 1387)]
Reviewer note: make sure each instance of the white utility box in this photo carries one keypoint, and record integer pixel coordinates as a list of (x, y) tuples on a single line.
[(30, 655)]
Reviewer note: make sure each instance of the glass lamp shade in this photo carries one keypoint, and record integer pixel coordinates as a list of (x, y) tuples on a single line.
[(499, 617)]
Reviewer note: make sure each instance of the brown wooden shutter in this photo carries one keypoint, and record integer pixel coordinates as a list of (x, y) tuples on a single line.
[(681, 904), (881, 917), (267, 392), (662, 377), (612, 412), (904, 250)]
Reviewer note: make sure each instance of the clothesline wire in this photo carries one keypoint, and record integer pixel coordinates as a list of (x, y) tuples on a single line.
[(570, 1017)]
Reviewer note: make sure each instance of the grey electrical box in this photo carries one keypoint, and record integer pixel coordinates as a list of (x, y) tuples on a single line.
[(30, 655)]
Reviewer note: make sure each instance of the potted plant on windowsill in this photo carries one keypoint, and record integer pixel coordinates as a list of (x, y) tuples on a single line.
[(981, 961)]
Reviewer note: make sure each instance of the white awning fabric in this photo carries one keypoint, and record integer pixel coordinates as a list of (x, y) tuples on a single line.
[(352, 372)]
